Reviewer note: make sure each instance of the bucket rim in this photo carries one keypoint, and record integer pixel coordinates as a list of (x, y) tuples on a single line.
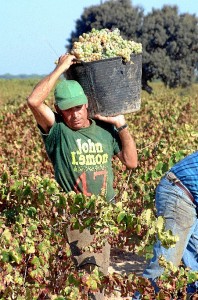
[(81, 62)]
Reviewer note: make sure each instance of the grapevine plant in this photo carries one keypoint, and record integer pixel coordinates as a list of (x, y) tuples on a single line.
[(35, 258)]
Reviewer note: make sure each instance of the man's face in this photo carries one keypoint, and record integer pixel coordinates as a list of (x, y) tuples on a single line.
[(76, 117)]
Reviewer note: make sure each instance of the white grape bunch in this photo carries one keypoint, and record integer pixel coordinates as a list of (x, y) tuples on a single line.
[(102, 44)]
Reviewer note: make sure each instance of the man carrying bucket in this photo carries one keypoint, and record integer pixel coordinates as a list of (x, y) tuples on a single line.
[(80, 149)]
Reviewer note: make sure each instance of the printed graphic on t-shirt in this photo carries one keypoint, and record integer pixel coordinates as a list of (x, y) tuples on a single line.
[(89, 158)]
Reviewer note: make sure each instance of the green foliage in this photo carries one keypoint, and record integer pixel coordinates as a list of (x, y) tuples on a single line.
[(110, 14), (35, 258), (170, 46), (167, 282), (16, 94)]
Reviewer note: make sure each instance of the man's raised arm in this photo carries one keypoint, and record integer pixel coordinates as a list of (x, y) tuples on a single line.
[(42, 113)]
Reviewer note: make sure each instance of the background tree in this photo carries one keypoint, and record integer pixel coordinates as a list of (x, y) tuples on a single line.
[(170, 40), (170, 44), (110, 14)]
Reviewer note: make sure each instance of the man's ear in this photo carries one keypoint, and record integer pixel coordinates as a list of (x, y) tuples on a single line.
[(57, 109)]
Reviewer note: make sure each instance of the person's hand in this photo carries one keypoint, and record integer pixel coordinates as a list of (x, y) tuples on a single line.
[(65, 61), (116, 120)]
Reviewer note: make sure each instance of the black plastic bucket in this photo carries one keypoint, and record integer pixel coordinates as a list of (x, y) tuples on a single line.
[(112, 86)]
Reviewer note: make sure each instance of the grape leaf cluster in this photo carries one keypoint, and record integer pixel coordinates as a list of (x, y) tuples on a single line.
[(102, 44)]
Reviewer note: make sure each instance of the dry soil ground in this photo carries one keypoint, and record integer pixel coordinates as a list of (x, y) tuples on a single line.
[(125, 261)]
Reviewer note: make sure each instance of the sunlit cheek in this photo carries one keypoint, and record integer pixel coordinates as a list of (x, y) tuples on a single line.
[(66, 119)]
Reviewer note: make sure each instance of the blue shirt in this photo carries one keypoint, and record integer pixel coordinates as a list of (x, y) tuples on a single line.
[(186, 170)]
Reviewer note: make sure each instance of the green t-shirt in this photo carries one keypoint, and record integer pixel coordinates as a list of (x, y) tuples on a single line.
[(82, 159)]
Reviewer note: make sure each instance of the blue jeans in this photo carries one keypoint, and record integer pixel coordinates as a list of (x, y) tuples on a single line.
[(180, 217)]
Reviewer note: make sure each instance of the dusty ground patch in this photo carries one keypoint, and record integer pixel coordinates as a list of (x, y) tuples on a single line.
[(125, 262)]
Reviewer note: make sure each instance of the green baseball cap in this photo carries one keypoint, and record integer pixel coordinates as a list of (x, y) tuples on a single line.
[(69, 93)]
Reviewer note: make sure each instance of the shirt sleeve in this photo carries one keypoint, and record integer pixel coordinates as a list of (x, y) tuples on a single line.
[(50, 139)]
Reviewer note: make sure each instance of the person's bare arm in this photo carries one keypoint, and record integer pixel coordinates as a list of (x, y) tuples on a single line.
[(128, 155), (42, 113)]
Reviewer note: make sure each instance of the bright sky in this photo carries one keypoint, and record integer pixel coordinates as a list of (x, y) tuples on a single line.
[(33, 33)]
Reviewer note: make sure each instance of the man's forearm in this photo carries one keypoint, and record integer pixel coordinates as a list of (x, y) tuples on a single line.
[(128, 155), (129, 151), (44, 87)]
